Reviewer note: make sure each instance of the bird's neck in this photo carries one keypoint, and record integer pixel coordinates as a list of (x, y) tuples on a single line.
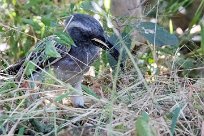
[(85, 53)]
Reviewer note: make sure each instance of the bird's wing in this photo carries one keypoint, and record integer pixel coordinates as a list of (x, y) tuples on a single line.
[(46, 52)]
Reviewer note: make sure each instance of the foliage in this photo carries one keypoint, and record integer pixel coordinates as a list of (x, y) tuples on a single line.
[(142, 126), (175, 117), (156, 35), (25, 22)]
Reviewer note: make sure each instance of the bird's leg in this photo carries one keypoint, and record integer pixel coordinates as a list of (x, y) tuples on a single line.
[(77, 98)]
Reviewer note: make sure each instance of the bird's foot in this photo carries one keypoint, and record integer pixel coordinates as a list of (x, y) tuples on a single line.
[(78, 101)]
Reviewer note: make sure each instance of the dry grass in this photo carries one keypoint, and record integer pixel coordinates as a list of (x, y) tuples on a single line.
[(112, 114)]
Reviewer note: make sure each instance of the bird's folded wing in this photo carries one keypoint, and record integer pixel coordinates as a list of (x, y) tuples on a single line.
[(46, 52)]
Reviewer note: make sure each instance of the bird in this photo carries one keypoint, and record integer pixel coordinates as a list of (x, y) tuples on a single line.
[(69, 63)]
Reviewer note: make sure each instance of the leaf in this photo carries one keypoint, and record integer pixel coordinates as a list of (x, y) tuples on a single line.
[(71, 8), (160, 37), (113, 63), (186, 63), (126, 35), (21, 131), (31, 22), (30, 67), (1, 29), (14, 2), (176, 114), (89, 91), (142, 126), (50, 49), (65, 39), (86, 5), (49, 21)]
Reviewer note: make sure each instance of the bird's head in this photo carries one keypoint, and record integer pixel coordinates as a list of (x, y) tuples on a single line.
[(86, 29)]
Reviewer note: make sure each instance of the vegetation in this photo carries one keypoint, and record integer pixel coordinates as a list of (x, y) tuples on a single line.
[(159, 91)]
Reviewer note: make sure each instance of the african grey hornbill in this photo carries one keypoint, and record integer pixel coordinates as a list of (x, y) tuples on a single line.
[(72, 61)]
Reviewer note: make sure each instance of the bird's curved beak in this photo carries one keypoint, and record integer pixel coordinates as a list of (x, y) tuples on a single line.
[(103, 44), (107, 45)]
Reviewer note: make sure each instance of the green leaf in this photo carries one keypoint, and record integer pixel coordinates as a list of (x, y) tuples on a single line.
[(176, 114), (127, 39), (89, 91), (71, 8), (185, 63), (1, 29), (30, 67), (21, 131), (64, 39), (49, 21), (50, 49), (34, 24), (142, 126), (14, 2), (86, 5), (160, 37)]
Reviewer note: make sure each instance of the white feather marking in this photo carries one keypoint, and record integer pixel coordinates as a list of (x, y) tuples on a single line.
[(78, 25)]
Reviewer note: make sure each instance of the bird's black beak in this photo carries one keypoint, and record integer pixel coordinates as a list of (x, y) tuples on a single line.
[(107, 45)]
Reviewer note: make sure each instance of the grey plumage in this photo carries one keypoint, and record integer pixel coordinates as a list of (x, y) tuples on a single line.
[(72, 61)]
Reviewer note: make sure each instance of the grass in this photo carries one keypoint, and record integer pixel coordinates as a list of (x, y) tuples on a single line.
[(115, 113)]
